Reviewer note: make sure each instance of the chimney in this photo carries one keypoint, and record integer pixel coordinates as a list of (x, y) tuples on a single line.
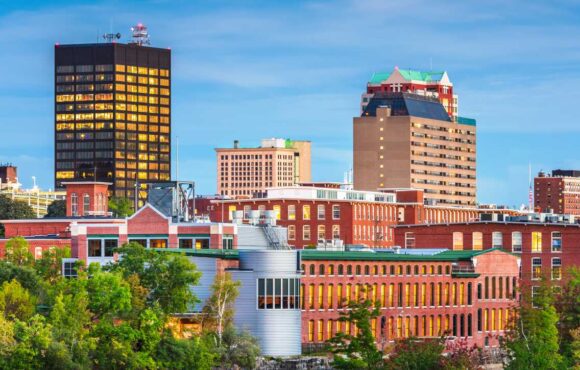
[(236, 144)]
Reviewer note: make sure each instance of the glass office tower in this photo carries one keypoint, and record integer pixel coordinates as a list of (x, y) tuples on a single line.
[(112, 115)]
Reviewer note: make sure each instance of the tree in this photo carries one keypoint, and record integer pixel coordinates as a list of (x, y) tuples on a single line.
[(16, 302), (167, 277), (568, 308), (534, 334), (238, 348), (25, 275), (357, 351), (219, 307), (194, 353), (13, 210), (109, 294), (49, 266), (18, 252), (414, 354), (121, 207), (56, 209)]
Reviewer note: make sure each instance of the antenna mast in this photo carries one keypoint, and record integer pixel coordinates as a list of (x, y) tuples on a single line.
[(140, 35)]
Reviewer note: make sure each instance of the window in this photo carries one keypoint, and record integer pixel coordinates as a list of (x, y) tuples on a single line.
[(157, 243), (228, 242), (292, 213), (69, 268), (94, 248), (336, 231), (74, 204), (336, 212), (321, 232), (496, 239), (556, 241), (291, 232), (536, 242), (278, 211), (535, 292), (306, 212), (306, 232), (517, 242), (409, 240), (556, 268), (536, 268), (186, 243), (321, 214), (457, 241), (278, 293), (477, 242)]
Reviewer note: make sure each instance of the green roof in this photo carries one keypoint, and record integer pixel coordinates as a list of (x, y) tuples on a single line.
[(445, 256), (466, 121), (409, 74)]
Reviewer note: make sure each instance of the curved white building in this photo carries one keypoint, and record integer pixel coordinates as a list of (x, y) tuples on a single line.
[(269, 302)]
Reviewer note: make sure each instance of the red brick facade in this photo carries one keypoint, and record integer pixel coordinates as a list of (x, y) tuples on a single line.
[(422, 299), (358, 222), (557, 195), (546, 243)]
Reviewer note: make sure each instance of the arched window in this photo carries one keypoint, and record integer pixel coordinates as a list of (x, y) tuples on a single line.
[(312, 270), (357, 269), (329, 296), (416, 270), (500, 286), (311, 331), (408, 270), (349, 270), (367, 270), (493, 286), (447, 270), (486, 287), (375, 270), (321, 270), (348, 293), (339, 296), (439, 270), (340, 270), (330, 269)]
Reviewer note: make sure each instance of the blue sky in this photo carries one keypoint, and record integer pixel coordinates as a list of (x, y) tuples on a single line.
[(252, 69)]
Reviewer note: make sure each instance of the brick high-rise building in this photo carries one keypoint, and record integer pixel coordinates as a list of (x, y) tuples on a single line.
[(406, 140), (435, 84), (112, 114), (558, 193), (247, 172)]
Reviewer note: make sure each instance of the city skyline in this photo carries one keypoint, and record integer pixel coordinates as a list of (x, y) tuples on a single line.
[(253, 64)]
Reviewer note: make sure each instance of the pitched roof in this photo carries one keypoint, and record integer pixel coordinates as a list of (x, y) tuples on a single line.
[(408, 74), (407, 104)]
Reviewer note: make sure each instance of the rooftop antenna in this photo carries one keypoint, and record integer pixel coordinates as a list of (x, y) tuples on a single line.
[(140, 35), (530, 193), (110, 37), (177, 158)]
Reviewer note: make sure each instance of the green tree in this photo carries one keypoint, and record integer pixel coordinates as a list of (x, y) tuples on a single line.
[(532, 342), (26, 276), (167, 277), (56, 209), (121, 207), (49, 266), (568, 307), (33, 339), (414, 354), (219, 307), (15, 301), (238, 348), (109, 294), (18, 252), (13, 210), (194, 353), (357, 351)]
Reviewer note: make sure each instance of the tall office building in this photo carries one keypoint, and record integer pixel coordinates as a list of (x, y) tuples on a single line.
[(558, 193), (112, 114), (434, 84), (406, 140), (247, 172)]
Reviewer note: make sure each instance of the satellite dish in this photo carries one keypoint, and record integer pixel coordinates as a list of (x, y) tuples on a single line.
[(118, 35)]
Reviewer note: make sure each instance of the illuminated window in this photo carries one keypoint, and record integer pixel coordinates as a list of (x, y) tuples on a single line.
[(477, 242), (321, 232), (536, 268), (292, 212), (536, 242), (457, 240), (306, 212)]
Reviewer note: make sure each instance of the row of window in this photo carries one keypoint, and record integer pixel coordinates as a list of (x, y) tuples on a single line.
[(132, 98), (555, 271), (278, 294), (99, 206), (394, 327), (497, 241), (87, 68), (330, 296), (392, 270)]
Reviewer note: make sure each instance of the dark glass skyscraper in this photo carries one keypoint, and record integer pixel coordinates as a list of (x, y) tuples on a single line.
[(112, 115)]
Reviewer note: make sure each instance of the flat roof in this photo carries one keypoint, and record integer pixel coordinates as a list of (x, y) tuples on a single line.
[(445, 256), (521, 223)]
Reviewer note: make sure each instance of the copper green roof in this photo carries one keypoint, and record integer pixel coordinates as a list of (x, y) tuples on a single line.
[(445, 256), (410, 75), (466, 121)]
